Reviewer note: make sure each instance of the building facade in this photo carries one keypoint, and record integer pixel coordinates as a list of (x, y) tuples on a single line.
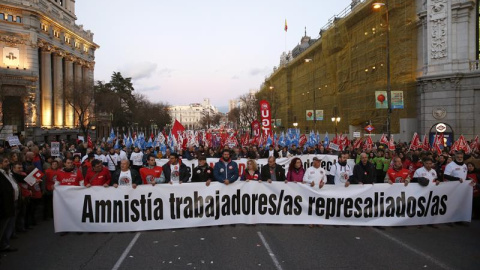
[(190, 115), (434, 61), (448, 89), (337, 74), (44, 56)]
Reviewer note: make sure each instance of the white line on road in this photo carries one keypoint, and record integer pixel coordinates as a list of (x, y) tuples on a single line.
[(274, 258), (125, 253), (414, 250)]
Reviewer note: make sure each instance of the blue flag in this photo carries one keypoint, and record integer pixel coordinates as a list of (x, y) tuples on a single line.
[(326, 141)]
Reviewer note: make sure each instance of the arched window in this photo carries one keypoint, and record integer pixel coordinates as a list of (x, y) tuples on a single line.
[(18, 19), (10, 18), (2, 16)]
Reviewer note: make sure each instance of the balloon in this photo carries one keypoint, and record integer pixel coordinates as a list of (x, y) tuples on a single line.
[(381, 98), (309, 114)]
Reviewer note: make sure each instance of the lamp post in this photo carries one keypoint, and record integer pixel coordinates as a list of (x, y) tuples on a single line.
[(336, 119), (378, 6)]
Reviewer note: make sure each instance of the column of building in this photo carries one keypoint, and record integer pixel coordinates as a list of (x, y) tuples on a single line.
[(69, 86), (46, 85), (78, 81), (58, 94)]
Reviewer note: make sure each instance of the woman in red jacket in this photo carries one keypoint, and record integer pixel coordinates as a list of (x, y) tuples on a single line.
[(295, 171), (251, 172)]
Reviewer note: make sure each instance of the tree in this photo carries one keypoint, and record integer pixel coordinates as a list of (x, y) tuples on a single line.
[(80, 96), (234, 116), (210, 119), (248, 110)]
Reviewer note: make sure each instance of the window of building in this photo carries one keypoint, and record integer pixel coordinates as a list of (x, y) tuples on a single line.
[(44, 27), (56, 33), (77, 44), (67, 40), (85, 48), (2, 16), (10, 18), (18, 19)]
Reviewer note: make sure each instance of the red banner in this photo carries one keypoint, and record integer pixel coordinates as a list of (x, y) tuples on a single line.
[(266, 118), (255, 129)]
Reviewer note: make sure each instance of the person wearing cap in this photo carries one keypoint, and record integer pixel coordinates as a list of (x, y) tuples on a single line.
[(272, 171), (425, 174), (315, 174), (203, 172)]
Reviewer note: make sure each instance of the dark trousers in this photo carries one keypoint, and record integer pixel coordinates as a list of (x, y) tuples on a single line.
[(48, 205), (380, 176), (21, 214), (7, 227)]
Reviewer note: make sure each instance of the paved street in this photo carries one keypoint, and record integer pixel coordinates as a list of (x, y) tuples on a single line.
[(251, 247)]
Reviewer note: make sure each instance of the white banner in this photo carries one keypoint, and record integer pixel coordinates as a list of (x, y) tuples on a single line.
[(164, 206), (326, 163)]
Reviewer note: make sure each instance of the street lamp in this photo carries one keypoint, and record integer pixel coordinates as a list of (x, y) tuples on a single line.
[(336, 120), (295, 124), (378, 6)]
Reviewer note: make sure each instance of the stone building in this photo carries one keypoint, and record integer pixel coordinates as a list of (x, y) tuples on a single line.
[(448, 89), (43, 52), (189, 115)]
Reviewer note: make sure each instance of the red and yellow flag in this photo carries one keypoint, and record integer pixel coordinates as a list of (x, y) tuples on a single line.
[(286, 26)]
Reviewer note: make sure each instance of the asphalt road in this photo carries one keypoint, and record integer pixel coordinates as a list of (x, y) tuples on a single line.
[(251, 247)]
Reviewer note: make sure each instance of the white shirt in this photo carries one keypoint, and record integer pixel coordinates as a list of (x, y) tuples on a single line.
[(125, 178), (341, 173), (455, 170), (271, 153), (12, 182), (100, 157), (422, 172), (314, 175), (136, 158), (123, 155), (112, 160), (175, 173)]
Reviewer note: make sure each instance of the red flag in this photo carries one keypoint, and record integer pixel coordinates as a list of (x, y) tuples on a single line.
[(152, 136), (383, 139), (89, 140), (266, 115), (303, 140), (391, 144), (368, 143), (437, 142), (176, 129), (474, 146), (415, 144), (461, 144), (358, 143), (425, 144), (286, 26)]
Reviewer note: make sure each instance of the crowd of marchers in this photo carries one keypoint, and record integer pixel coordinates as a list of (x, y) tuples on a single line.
[(104, 164)]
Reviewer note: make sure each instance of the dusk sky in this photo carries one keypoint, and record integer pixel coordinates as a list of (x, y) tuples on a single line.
[(180, 52)]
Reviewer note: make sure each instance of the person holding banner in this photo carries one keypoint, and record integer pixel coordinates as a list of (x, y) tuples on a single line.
[(364, 172), (315, 173), (398, 174), (425, 174), (203, 172), (151, 173), (295, 171), (251, 172), (126, 176), (456, 170), (175, 171), (272, 171), (97, 175), (69, 175), (225, 170), (340, 172), (50, 178)]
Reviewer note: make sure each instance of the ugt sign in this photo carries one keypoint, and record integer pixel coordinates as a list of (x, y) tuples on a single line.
[(266, 118)]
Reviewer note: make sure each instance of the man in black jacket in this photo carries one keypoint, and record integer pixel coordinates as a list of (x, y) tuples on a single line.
[(9, 194), (364, 172), (272, 171), (175, 171), (271, 152), (203, 172), (125, 176)]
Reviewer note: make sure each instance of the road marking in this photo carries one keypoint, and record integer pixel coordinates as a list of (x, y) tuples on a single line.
[(274, 258), (125, 253), (414, 250)]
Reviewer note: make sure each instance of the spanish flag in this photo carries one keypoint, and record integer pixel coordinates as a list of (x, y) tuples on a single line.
[(286, 26)]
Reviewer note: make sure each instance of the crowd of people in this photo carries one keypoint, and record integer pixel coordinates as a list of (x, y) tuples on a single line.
[(103, 164)]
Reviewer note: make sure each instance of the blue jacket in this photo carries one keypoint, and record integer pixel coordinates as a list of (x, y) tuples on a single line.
[(222, 172)]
